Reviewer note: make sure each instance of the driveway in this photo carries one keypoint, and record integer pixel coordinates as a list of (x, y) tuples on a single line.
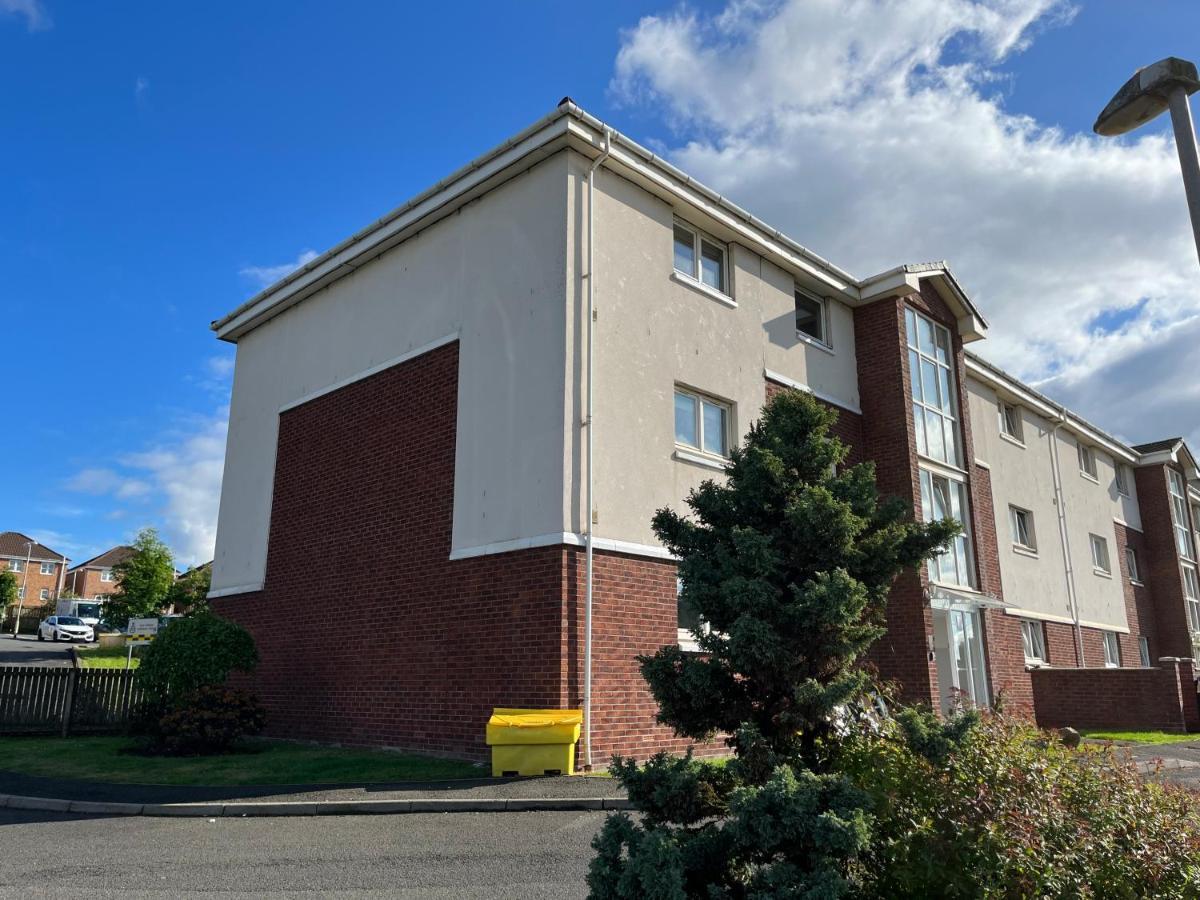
[(438, 855), (27, 650)]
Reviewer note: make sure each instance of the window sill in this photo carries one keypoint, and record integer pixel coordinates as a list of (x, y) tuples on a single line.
[(942, 468), (1136, 583), (710, 292), (700, 459), (1101, 572), (1021, 549), (1036, 663), (1005, 436), (815, 343), (1086, 477)]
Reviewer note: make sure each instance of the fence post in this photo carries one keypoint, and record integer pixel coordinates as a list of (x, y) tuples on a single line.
[(69, 703)]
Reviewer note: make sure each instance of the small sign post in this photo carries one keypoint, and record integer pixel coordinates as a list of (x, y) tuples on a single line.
[(141, 631)]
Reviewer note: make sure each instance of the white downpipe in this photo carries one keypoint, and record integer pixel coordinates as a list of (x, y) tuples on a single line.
[(1064, 536), (587, 423)]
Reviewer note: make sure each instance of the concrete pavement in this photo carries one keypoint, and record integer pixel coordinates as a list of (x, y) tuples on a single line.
[(27, 650), (470, 855)]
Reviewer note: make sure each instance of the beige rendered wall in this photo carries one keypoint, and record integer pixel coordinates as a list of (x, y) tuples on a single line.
[(654, 331), (1023, 476), (494, 274)]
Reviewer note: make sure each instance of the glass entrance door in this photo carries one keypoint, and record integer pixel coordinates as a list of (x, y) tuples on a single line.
[(959, 647)]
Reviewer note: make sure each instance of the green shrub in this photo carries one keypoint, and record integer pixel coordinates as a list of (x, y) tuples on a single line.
[(209, 720), (191, 653), (1000, 809)]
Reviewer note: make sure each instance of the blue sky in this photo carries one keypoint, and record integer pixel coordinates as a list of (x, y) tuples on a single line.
[(160, 158)]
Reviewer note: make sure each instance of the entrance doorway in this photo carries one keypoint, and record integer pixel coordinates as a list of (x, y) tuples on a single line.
[(958, 645)]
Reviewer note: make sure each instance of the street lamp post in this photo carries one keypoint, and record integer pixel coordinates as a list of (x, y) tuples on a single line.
[(1164, 85)]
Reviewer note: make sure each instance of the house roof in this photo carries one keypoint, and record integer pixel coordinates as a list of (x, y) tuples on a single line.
[(16, 545), (107, 559), (570, 126), (1156, 446)]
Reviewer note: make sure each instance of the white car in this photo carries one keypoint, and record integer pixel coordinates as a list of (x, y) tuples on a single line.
[(65, 628)]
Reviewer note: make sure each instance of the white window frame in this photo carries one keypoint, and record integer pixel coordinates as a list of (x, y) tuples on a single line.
[(106, 575), (696, 275), (1144, 651), (799, 293), (700, 400), (684, 636), (1191, 594), (960, 551), (1179, 515), (1087, 462), (1131, 563), (1121, 476), (933, 413), (1011, 426), (1033, 642), (1017, 515), (44, 594), (16, 565), (21, 592), (47, 568), (1112, 650), (1101, 562)]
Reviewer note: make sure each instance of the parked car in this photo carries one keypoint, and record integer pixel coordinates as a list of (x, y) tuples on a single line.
[(65, 628)]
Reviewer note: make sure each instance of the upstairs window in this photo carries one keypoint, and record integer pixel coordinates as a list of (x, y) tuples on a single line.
[(1010, 421), (16, 565), (700, 257), (1144, 651), (47, 568), (810, 316), (934, 408), (1087, 462), (1112, 650), (1100, 562), (701, 423), (1033, 636), (106, 575), (1122, 479), (945, 498), (1179, 514), (1191, 591), (1131, 561), (1022, 527)]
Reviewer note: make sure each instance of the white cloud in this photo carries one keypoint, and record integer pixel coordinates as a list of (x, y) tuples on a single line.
[(34, 13), (873, 132), (219, 366), (265, 276)]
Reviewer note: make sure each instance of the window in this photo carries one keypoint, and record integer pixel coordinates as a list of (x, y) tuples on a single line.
[(21, 593), (701, 423), (1144, 652), (1100, 563), (1132, 564), (107, 574), (1010, 421), (1022, 527), (699, 257), (1112, 650), (1191, 591), (688, 620), (810, 316), (16, 565), (47, 568), (1033, 636), (1087, 462), (1122, 479), (44, 594), (1179, 514), (934, 417), (945, 498)]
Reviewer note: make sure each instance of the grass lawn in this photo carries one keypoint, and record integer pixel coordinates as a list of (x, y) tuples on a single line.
[(108, 658), (1140, 737), (262, 762)]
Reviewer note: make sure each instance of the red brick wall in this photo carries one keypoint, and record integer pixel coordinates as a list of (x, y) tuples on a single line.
[(1155, 698), (848, 427), (1160, 564), (1139, 605)]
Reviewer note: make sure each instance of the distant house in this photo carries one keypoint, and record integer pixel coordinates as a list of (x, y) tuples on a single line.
[(39, 570), (95, 579)]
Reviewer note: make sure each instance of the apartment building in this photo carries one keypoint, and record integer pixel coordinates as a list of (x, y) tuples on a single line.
[(38, 569), (476, 404), (95, 579)]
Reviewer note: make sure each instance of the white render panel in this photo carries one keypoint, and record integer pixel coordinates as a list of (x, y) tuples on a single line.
[(494, 273), (654, 331), (1023, 477)]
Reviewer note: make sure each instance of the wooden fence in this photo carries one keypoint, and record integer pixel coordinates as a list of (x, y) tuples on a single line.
[(47, 700)]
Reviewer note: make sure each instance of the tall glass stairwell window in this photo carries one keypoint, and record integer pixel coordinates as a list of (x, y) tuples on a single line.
[(935, 416), (943, 497)]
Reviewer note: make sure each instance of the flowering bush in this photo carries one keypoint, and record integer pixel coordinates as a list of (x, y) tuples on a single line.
[(1003, 810), (209, 720)]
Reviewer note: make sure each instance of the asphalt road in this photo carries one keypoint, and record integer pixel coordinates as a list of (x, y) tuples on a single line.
[(437, 855), (27, 650)]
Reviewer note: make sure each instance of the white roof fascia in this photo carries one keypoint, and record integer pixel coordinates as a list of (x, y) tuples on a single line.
[(1043, 406)]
